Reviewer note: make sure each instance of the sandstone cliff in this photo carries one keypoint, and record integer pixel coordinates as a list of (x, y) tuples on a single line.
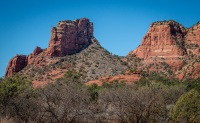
[(70, 37), (168, 46), (192, 39), (164, 39)]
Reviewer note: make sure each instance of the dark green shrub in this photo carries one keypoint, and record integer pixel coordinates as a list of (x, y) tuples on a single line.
[(187, 108), (94, 91), (193, 84)]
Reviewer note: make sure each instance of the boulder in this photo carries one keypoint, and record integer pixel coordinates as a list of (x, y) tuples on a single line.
[(16, 64)]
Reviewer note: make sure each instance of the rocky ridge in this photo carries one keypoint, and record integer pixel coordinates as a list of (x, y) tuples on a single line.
[(167, 48)]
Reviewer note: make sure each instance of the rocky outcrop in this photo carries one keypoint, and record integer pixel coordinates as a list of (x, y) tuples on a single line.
[(33, 57), (164, 42), (16, 64), (37, 51), (70, 37), (164, 39), (192, 40)]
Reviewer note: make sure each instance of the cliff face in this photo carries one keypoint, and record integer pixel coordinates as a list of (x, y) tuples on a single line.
[(192, 39), (164, 42), (70, 37), (164, 39), (169, 42)]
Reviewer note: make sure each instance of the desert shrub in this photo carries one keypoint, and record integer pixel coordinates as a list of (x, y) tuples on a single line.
[(93, 91), (113, 84), (142, 82), (148, 79), (72, 75)]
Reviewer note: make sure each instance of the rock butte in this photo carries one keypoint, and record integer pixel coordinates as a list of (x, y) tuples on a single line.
[(168, 40), (70, 37)]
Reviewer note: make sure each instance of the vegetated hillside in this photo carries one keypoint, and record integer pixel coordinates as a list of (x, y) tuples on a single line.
[(91, 63), (191, 68)]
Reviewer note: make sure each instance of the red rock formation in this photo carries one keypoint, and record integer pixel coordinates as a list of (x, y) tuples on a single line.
[(164, 40), (170, 42), (192, 40), (37, 51), (67, 38), (70, 37), (16, 64), (34, 56)]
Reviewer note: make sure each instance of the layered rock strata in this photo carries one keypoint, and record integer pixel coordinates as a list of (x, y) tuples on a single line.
[(164, 40), (70, 37)]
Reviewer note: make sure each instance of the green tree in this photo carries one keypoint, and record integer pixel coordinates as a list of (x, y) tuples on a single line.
[(187, 108), (1, 79), (12, 90)]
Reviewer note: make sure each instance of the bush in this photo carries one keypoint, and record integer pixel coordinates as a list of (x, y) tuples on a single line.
[(113, 84), (72, 75), (93, 92)]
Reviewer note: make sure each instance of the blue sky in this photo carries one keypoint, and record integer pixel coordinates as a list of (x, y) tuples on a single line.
[(119, 25)]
